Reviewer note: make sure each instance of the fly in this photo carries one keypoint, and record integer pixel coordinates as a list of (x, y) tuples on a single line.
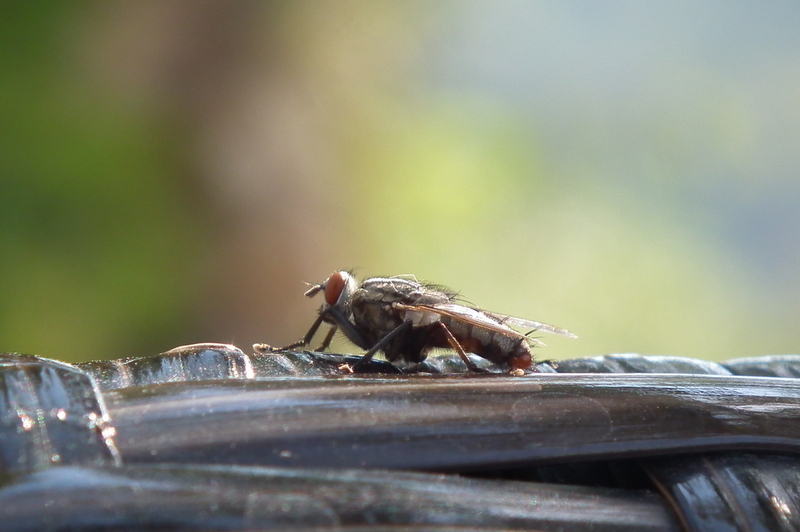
[(405, 319)]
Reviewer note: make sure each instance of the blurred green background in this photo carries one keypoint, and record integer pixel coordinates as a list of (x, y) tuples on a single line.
[(171, 171)]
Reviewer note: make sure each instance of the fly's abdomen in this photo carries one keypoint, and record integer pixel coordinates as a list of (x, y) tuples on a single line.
[(492, 345)]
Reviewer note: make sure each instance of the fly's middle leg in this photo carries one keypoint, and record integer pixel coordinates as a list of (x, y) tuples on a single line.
[(400, 329)]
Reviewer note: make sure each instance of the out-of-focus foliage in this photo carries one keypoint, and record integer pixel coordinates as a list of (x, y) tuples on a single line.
[(98, 239), (171, 171)]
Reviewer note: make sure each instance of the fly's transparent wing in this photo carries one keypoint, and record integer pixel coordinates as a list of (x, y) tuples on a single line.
[(474, 317), (535, 325)]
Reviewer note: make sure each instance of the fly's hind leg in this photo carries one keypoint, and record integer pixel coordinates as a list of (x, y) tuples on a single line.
[(460, 350)]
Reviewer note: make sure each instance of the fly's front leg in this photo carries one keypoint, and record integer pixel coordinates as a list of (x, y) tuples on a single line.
[(328, 337), (400, 329), (460, 350), (350, 331), (347, 327), (266, 348)]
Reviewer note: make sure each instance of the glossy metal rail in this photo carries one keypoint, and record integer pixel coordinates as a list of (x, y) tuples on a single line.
[(453, 422), (195, 426), (238, 498)]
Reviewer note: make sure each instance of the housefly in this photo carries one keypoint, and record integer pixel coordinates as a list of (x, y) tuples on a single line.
[(406, 318)]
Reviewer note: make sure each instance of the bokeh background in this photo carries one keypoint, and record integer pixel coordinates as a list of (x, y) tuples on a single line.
[(171, 171)]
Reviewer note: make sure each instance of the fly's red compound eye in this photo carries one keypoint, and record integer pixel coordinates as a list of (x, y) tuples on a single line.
[(334, 287)]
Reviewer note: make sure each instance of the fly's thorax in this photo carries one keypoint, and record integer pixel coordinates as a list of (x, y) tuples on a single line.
[(403, 290), (374, 303), (373, 314), (388, 289)]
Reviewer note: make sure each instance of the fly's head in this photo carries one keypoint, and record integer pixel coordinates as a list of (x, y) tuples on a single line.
[(338, 291)]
